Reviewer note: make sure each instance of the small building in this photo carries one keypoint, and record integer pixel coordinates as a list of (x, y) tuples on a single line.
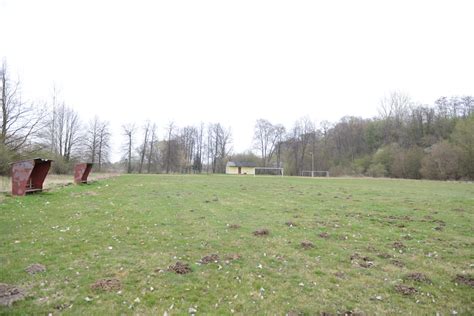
[(235, 167)]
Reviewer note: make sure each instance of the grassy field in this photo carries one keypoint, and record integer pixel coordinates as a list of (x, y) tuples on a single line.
[(372, 246)]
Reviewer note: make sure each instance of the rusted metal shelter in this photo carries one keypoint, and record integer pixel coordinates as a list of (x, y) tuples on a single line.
[(28, 175), (81, 172)]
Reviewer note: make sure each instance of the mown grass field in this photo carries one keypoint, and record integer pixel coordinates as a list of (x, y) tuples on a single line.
[(131, 228)]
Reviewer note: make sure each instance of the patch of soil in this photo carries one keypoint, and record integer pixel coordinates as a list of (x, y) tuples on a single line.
[(61, 307), (340, 275), (233, 256), (407, 237), (418, 277), (10, 294), (366, 265), (371, 248), (107, 285), (397, 263), (356, 256), (35, 268), (210, 259), (398, 245), (439, 222), (306, 244), (384, 255), (405, 290), (180, 268), (290, 224), (362, 261), (234, 226), (324, 235), (262, 232), (465, 279), (439, 228)]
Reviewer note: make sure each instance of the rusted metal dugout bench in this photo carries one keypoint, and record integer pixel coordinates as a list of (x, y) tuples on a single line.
[(28, 175), (81, 172)]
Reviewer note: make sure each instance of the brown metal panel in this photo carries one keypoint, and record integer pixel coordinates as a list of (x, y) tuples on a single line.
[(81, 172), (28, 175)]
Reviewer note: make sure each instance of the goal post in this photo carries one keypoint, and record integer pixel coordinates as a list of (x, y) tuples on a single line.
[(312, 174), (268, 171)]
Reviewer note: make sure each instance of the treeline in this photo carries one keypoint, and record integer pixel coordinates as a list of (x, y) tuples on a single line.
[(50, 130), (191, 149), (406, 140)]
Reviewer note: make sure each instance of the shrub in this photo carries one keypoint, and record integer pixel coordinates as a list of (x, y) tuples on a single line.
[(377, 170)]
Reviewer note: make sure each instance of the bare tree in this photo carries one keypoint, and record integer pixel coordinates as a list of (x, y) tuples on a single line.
[(144, 146), (62, 135), (219, 146), (267, 137), (393, 110), (104, 144), (169, 146), (197, 163), (92, 139), (128, 132), (20, 120), (151, 150)]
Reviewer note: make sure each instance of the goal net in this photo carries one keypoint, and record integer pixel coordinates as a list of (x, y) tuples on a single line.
[(267, 171), (308, 173)]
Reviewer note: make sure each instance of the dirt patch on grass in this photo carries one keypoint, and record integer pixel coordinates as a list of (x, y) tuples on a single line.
[(398, 245), (465, 279), (306, 244), (418, 277), (397, 263), (232, 257), (366, 264), (180, 268), (209, 259), (324, 235), (234, 226), (10, 294), (62, 306), (261, 232), (361, 261), (405, 290), (35, 268), (290, 224), (358, 256), (340, 275), (384, 255), (107, 285)]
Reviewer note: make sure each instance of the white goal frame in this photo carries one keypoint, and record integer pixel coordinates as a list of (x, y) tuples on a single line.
[(312, 173), (268, 168)]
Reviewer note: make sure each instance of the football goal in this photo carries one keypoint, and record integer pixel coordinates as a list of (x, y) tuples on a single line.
[(309, 173), (268, 171)]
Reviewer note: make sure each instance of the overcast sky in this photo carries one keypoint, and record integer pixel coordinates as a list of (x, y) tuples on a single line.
[(236, 61)]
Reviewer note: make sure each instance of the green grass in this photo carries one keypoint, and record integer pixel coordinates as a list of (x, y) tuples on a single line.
[(153, 221)]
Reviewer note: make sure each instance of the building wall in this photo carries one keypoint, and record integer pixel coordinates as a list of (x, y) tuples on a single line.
[(235, 170)]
